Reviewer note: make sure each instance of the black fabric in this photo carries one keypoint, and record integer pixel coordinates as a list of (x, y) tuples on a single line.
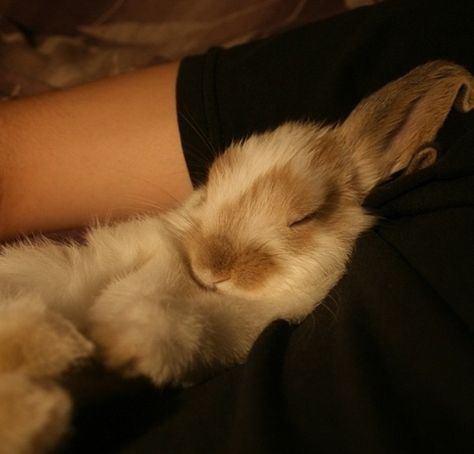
[(386, 364)]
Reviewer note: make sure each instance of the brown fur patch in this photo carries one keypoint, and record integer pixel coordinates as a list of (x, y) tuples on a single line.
[(254, 266), (218, 258)]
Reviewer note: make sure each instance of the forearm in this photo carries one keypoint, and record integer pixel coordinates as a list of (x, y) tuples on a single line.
[(103, 150)]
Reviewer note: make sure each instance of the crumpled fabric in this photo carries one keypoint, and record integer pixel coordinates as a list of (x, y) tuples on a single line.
[(128, 36)]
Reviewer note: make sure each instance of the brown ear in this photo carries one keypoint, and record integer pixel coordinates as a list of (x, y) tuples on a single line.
[(389, 128), (424, 157)]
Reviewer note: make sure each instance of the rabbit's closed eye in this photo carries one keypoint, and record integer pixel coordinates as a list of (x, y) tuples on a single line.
[(304, 219)]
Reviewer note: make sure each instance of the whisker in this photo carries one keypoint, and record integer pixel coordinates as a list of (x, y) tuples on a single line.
[(324, 304), (156, 186), (199, 155), (195, 127)]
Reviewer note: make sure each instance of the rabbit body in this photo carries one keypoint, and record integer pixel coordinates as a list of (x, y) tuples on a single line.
[(150, 293), (179, 295)]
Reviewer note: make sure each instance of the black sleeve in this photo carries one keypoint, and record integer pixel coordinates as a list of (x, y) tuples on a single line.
[(386, 363)]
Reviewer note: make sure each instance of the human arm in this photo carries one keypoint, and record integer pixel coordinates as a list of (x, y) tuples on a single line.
[(106, 149)]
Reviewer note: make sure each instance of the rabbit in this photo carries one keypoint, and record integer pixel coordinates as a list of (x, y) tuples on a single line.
[(177, 296)]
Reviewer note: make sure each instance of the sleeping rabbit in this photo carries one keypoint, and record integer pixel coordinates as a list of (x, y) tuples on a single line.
[(177, 296)]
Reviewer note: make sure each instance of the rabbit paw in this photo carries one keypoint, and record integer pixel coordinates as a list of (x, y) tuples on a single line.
[(158, 338), (33, 417), (38, 342)]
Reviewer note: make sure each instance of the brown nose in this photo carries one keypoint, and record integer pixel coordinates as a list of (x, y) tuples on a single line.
[(207, 278)]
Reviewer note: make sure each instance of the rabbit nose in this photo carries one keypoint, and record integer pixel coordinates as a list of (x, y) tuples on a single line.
[(207, 278)]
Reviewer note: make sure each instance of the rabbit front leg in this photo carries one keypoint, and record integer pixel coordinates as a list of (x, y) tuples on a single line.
[(146, 323)]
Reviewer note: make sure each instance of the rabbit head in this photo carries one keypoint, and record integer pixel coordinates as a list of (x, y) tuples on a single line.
[(278, 216)]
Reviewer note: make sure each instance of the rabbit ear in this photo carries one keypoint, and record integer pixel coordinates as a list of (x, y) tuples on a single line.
[(389, 128), (422, 158)]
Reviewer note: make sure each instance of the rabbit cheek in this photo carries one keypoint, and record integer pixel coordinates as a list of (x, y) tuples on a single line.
[(303, 242)]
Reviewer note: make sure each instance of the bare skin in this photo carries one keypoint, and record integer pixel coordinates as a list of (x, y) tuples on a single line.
[(103, 150)]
